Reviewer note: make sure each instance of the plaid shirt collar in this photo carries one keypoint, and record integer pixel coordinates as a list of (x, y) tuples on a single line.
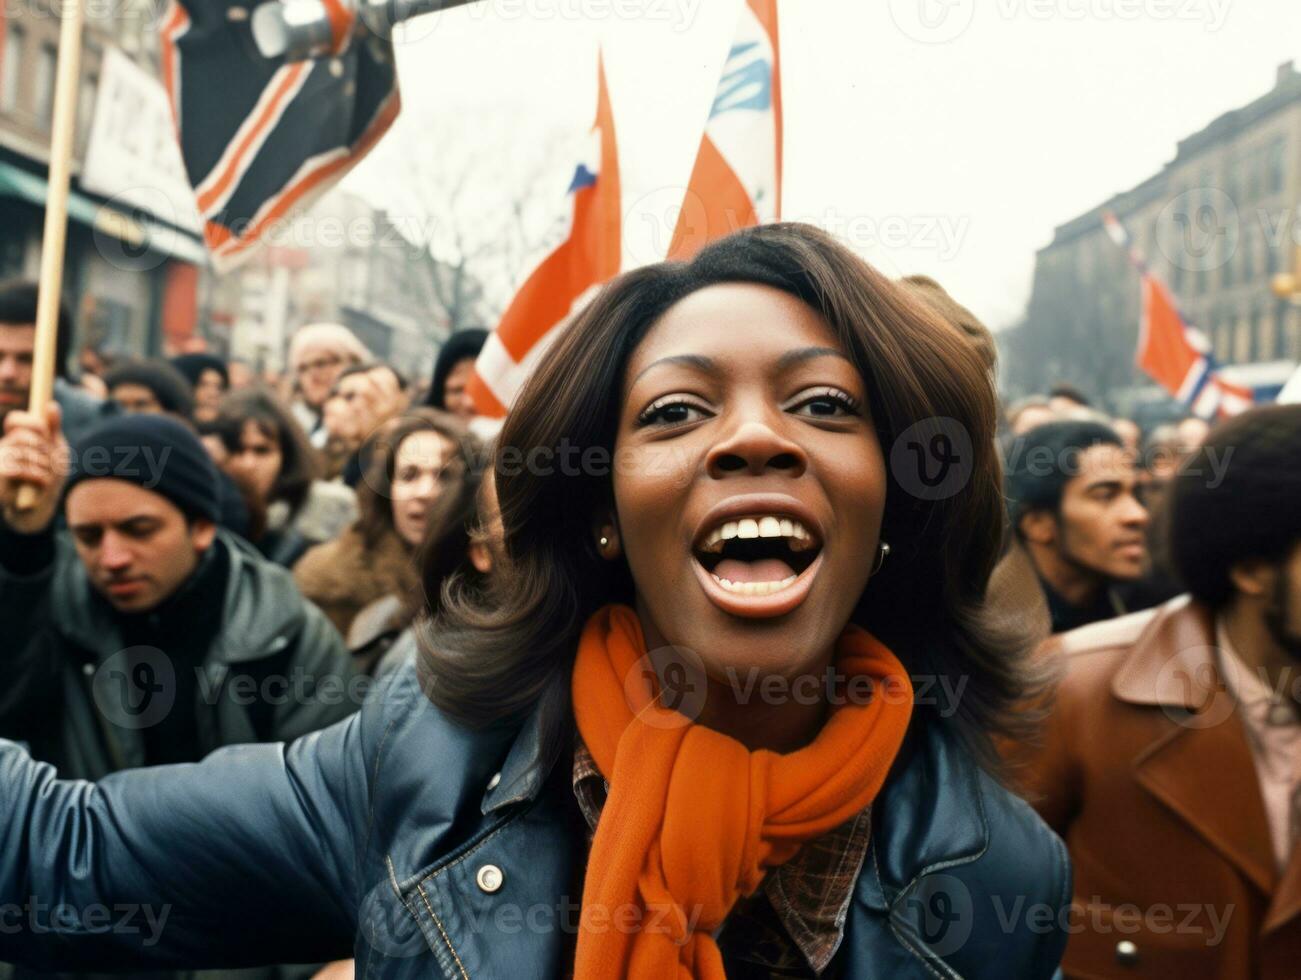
[(797, 921)]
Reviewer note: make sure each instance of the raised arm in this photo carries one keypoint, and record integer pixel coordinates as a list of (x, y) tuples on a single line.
[(245, 858), (32, 454)]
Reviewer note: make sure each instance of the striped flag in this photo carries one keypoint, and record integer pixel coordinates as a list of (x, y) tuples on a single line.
[(1171, 351), (263, 137), (737, 178), (1178, 358), (589, 256)]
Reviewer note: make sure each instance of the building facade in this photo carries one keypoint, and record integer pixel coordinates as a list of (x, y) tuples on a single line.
[(134, 278), (342, 261), (1216, 224)]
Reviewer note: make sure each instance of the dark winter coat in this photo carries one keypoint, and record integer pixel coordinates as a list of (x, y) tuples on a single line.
[(375, 838), (71, 688)]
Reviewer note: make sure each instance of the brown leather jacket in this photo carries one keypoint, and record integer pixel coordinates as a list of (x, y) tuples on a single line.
[(1146, 773)]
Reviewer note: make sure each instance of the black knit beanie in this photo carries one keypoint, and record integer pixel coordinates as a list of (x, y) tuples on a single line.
[(155, 452)]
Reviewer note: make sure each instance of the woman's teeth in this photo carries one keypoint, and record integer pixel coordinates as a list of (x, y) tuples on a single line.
[(760, 527), (755, 588)]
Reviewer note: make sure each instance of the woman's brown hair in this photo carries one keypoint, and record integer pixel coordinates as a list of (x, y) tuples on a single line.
[(458, 519), (380, 450), (491, 659)]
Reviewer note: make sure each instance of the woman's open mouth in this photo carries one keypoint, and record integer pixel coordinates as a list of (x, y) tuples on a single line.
[(759, 565)]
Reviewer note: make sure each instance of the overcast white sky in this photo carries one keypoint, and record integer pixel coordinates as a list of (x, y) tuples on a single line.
[(940, 136)]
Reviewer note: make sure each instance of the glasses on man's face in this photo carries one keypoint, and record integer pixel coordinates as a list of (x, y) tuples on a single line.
[(320, 364)]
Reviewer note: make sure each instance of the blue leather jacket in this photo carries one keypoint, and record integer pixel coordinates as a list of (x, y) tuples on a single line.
[(432, 851)]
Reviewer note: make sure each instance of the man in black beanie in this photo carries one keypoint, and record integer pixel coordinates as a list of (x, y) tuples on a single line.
[(145, 635)]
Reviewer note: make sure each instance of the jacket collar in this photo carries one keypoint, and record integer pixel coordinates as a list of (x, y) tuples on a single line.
[(1173, 662), (261, 616), (930, 815), (1199, 764), (535, 750), (931, 806), (264, 609)]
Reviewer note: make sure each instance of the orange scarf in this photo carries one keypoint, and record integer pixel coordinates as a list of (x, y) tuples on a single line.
[(694, 819)]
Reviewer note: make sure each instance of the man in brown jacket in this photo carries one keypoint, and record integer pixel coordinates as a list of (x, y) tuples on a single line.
[(1171, 763)]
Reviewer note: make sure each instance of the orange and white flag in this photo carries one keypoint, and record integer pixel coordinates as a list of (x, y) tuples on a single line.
[(589, 256), (737, 178), (1179, 359)]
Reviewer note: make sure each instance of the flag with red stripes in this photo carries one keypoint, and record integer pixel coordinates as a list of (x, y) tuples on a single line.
[(1179, 359), (589, 256), (262, 137), (1174, 353), (737, 178)]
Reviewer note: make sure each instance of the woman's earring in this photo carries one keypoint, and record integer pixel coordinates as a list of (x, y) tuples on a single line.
[(882, 552), (604, 542)]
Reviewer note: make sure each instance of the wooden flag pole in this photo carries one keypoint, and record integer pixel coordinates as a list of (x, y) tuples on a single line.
[(56, 218)]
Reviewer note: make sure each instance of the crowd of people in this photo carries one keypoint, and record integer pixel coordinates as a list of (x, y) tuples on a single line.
[(480, 715)]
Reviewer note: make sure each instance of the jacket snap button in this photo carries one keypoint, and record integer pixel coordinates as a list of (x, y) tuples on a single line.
[(490, 878), (495, 781), (1126, 953)]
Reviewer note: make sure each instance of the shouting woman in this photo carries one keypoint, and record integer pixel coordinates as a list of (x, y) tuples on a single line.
[(725, 709)]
